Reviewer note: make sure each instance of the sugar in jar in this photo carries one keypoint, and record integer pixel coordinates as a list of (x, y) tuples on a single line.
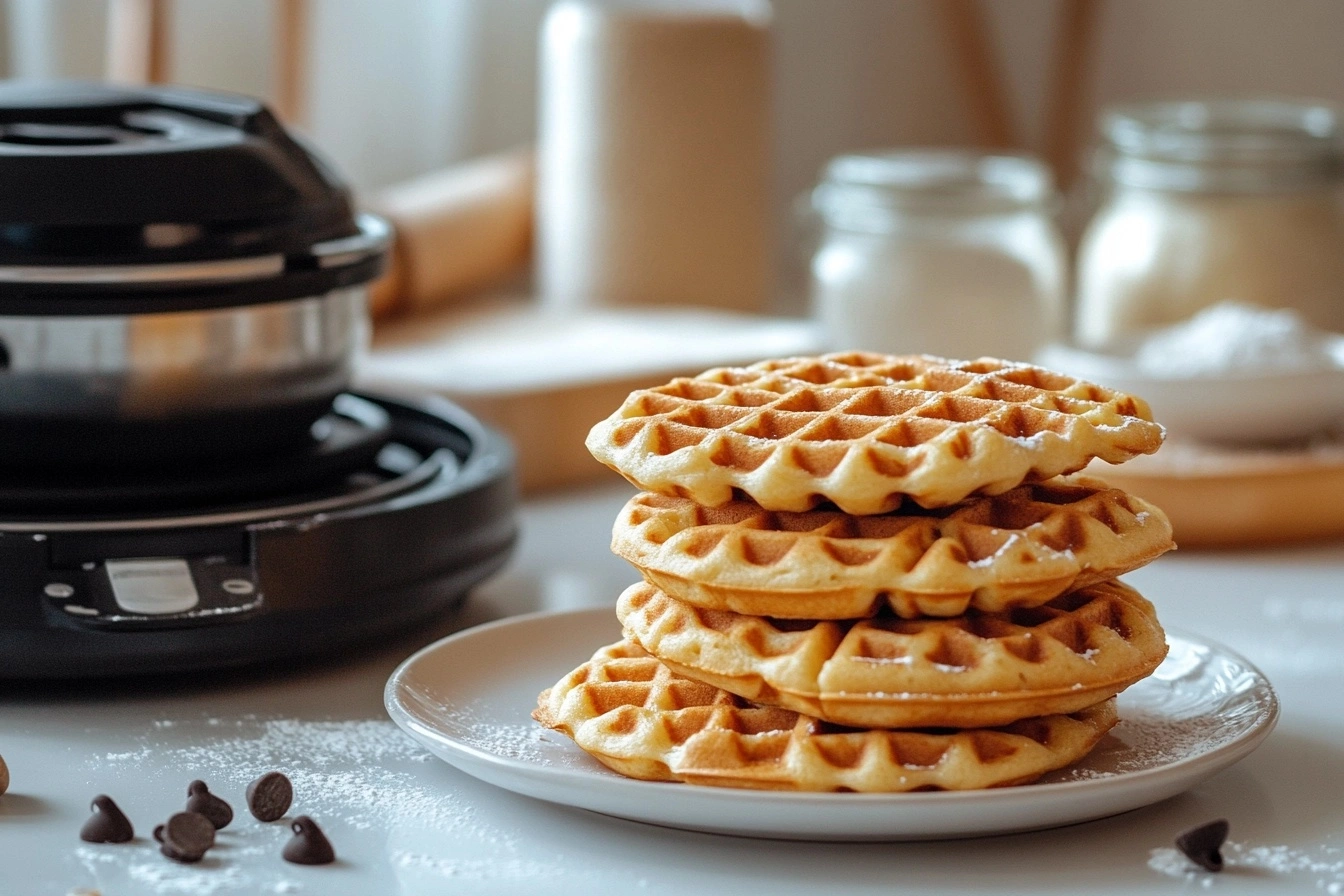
[(945, 252), (1210, 202)]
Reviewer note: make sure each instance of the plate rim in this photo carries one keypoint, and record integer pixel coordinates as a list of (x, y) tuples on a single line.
[(1195, 767)]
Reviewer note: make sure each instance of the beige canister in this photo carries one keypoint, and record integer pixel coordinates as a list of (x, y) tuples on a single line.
[(654, 154)]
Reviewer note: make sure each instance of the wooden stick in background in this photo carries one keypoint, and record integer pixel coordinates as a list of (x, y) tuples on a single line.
[(457, 230), (137, 41), (970, 44), (1066, 89), (291, 61)]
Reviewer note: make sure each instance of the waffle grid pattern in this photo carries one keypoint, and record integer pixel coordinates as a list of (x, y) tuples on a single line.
[(970, 671), (993, 554), (868, 572), (639, 718), (866, 431)]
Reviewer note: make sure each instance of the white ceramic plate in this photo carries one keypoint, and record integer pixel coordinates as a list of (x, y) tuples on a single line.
[(468, 698)]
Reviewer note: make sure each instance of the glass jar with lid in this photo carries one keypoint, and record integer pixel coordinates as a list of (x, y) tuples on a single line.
[(944, 252), (1209, 202)]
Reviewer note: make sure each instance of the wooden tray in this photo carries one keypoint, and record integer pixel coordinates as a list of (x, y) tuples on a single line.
[(1224, 497), (545, 378)]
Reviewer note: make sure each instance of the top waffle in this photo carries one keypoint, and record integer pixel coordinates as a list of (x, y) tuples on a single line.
[(865, 431), (638, 717)]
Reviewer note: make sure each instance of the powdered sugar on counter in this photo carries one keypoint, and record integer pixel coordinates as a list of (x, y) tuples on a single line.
[(376, 792), (149, 872), (1169, 861), (351, 770), (1235, 338), (1293, 870)]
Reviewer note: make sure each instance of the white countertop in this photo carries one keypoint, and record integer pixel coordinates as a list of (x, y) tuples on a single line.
[(403, 822)]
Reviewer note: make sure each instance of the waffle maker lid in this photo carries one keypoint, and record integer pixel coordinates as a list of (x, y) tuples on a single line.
[(105, 183)]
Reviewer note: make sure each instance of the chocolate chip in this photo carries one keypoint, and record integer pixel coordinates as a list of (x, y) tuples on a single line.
[(269, 796), (190, 831), (107, 824), (4, 775), (201, 800), (186, 836), (186, 858), (308, 846), (1202, 845)]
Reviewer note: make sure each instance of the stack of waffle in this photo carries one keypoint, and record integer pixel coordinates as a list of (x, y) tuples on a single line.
[(869, 573)]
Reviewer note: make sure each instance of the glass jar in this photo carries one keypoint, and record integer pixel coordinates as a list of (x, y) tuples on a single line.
[(943, 252), (1209, 202)]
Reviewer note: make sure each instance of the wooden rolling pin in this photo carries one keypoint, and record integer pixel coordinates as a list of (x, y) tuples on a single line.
[(456, 231)]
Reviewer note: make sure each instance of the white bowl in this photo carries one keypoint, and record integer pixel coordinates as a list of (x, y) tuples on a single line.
[(1242, 406)]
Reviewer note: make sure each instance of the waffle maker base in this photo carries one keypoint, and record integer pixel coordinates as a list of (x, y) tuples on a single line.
[(393, 513)]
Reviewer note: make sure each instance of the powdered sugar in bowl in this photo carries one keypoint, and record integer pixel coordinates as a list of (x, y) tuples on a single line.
[(1232, 374)]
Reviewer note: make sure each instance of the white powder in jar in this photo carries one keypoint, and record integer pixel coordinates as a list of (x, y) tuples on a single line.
[(1152, 257), (958, 301), (943, 252)]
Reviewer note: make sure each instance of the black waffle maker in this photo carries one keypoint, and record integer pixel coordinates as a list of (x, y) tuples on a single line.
[(187, 480)]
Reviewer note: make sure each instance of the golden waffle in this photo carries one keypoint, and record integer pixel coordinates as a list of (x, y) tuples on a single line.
[(636, 716), (972, 671), (1018, 549), (865, 431)]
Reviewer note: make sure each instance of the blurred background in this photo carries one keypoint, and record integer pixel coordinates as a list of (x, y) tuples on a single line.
[(393, 90), (456, 78), (591, 196)]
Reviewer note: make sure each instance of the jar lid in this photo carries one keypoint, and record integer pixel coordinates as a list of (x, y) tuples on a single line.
[(1233, 145), (125, 199), (866, 185)]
